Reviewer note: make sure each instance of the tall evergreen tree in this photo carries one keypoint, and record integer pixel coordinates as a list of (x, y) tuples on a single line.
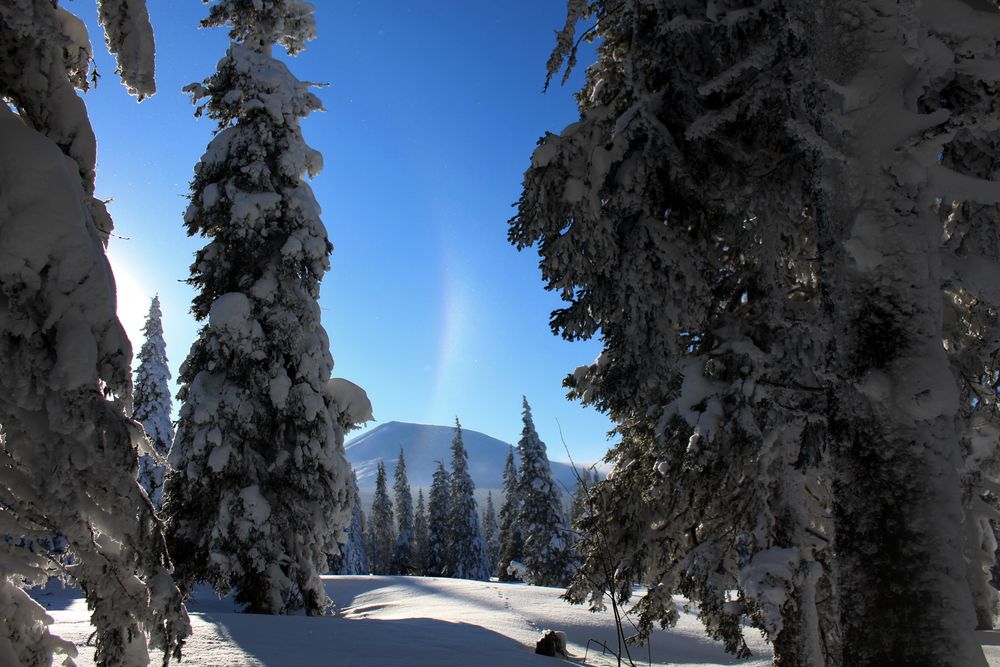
[(511, 540), (689, 284), (352, 558), (402, 557), (381, 527), (67, 449), (261, 488), (438, 516), (466, 550), (153, 404), (764, 264), (490, 534), (548, 551), (420, 536), (366, 541)]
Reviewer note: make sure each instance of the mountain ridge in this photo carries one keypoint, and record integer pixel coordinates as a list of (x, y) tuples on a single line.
[(425, 444)]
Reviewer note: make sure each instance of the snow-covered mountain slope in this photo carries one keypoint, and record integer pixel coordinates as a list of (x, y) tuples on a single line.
[(423, 446)]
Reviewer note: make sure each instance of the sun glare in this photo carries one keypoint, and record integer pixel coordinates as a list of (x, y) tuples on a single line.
[(133, 295)]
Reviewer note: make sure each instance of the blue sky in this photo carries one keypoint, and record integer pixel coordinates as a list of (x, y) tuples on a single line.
[(433, 109)]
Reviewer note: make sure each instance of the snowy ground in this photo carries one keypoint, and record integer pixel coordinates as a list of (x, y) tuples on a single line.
[(415, 621)]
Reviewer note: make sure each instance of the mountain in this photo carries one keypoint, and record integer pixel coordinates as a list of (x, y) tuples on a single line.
[(424, 446)]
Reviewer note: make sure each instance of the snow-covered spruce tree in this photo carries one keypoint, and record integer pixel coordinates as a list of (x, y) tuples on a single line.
[(152, 403), (261, 489), (466, 550), (381, 527), (420, 536), (437, 523), (352, 558), (491, 536), (881, 91), (511, 541), (402, 555), (548, 553), (677, 219), (68, 455)]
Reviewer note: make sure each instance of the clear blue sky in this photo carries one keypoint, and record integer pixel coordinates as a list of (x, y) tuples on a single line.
[(433, 109)]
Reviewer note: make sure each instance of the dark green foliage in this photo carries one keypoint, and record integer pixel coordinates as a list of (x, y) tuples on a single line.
[(402, 556), (381, 525), (511, 541), (438, 510), (466, 550)]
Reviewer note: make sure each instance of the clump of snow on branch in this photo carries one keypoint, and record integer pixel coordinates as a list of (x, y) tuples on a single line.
[(68, 453)]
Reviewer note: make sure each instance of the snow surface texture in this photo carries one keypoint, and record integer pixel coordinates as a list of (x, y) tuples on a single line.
[(418, 621)]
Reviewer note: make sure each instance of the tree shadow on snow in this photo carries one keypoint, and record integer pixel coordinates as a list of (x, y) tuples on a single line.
[(988, 637), (55, 596), (345, 593), (278, 641), (579, 624)]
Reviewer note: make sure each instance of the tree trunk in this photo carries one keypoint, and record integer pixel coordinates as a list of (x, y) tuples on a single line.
[(902, 595), (798, 643)]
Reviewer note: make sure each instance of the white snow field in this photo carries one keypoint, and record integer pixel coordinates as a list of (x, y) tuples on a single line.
[(413, 622)]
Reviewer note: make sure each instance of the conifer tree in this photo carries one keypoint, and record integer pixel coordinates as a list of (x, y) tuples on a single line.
[(366, 540), (466, 550), (382, 527), (548, 553), (420, 536), (153, 404), (260, 492), (68, 456), (352, 558), (687, 284), (438, 517), (784, 311), (490, 534), (402, 557), (511, 541)]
